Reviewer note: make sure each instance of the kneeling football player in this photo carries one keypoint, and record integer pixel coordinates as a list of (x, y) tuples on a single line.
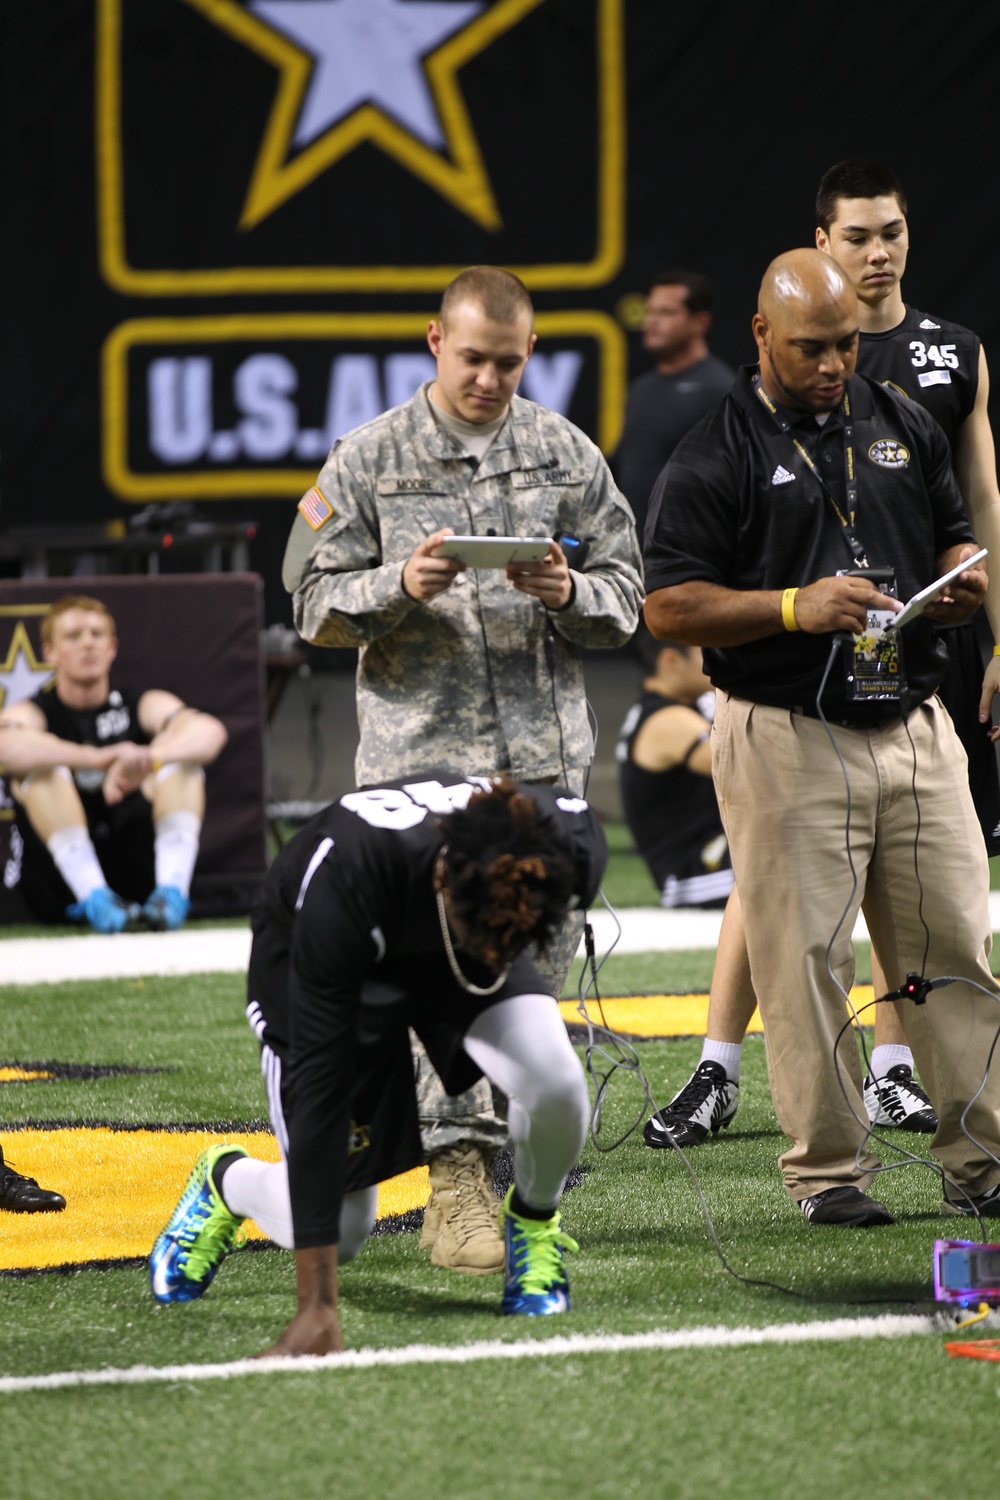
[(409, 905)]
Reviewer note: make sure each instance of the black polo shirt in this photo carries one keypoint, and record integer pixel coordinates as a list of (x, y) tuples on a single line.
[(738, 506)]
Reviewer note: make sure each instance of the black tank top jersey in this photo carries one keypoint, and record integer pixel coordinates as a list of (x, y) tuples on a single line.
[(673, 816), (934, 362), (112, 721)]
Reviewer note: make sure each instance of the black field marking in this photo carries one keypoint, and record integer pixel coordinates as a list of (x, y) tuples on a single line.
[(120, 1262), (76, 1071), (579, 1034)]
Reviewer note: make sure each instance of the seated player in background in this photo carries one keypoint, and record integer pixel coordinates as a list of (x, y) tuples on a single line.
[(379, 916), (108, 784), (665, 777)]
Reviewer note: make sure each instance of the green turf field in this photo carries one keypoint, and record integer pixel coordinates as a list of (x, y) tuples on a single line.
[(839, 1416)]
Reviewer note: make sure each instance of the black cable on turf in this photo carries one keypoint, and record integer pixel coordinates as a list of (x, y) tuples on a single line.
[(617, 1052)]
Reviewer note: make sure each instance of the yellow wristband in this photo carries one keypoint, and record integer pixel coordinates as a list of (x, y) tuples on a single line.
[(996, 650), (157, 764), (788, 610)]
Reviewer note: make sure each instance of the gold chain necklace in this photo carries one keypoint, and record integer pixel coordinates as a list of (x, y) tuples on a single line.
[(473, 989)]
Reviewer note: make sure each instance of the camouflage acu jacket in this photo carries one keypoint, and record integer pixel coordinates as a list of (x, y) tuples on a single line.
[(480, 678)]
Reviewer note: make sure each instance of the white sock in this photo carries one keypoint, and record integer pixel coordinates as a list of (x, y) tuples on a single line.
[(727, 1054), (177, 835), (258, 1190), (890, 1056), (76, 860)]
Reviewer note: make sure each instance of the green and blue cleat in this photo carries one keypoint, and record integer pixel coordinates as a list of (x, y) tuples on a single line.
[(200, 1234), (535, 1282)]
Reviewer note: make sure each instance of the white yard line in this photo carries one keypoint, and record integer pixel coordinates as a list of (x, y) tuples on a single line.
[(892, 1326), (645, 929)]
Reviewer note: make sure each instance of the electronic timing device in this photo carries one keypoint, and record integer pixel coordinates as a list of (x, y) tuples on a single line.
[(494, 551), (966, 1272)]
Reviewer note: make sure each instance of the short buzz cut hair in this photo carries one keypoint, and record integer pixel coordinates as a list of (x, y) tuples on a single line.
[(502, 296), (857, 177), (700, 291), (64, 605)]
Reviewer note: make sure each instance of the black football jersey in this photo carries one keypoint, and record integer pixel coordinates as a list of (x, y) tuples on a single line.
[(930, 360), (348, 914), (111, 722), (386, 840)]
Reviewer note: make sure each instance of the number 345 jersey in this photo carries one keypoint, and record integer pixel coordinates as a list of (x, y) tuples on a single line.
[(933, 362)]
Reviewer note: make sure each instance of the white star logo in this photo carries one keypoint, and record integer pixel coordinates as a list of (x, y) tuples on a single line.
[(367, 52), (382, 71), (21, 675)]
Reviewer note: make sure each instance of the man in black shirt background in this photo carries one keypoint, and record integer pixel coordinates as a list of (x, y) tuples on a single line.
[(665, 778), (754, 527), (687, 382), (861, 212)]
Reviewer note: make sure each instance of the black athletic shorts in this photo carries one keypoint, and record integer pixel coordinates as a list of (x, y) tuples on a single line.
[(124, 841), (960, 692), (417, 991)]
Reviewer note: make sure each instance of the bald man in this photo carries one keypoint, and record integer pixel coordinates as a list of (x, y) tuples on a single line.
[(783, 535)]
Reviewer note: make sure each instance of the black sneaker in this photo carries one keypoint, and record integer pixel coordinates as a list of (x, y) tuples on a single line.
[(22, 1195), (898, 1102), (845, 1205), (707, 1102), (986, 1205)]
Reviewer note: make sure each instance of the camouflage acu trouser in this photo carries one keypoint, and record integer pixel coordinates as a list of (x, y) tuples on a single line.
[(479, 1115)]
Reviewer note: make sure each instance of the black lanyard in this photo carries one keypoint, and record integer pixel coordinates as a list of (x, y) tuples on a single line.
[(850, 476)]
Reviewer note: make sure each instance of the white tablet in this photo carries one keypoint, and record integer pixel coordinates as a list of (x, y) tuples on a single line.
[(916, 606), (494, 551)]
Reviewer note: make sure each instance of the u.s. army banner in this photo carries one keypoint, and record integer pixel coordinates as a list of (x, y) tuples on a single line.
[(227, 221)]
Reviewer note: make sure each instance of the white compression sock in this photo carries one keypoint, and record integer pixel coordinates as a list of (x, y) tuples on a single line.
[(177, 835), (890, 1056), (523, 1047), (76, 860), (258, 1190), (727, 1054)]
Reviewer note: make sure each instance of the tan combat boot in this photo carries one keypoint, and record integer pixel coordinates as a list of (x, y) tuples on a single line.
[(460, 1220)]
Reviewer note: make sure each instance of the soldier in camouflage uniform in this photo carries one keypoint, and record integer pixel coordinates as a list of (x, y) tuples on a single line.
[(471, 671)]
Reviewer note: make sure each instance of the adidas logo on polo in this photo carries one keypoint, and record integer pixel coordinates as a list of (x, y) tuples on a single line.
[(781, 476), (928, 323)]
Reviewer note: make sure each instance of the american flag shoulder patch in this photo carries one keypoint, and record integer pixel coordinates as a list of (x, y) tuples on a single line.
[(316, 508)]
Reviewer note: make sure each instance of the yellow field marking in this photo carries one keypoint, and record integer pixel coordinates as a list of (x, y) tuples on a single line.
[(23, 1075), (120, 1188), (675, 1015)]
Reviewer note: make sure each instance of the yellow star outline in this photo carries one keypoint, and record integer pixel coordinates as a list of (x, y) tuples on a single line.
[(463, 180), (20, 641)]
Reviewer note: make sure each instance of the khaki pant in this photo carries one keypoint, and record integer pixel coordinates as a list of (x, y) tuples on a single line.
[(783, 802)]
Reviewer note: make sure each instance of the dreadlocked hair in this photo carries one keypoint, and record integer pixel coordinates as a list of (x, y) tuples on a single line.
[(509, 875)]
